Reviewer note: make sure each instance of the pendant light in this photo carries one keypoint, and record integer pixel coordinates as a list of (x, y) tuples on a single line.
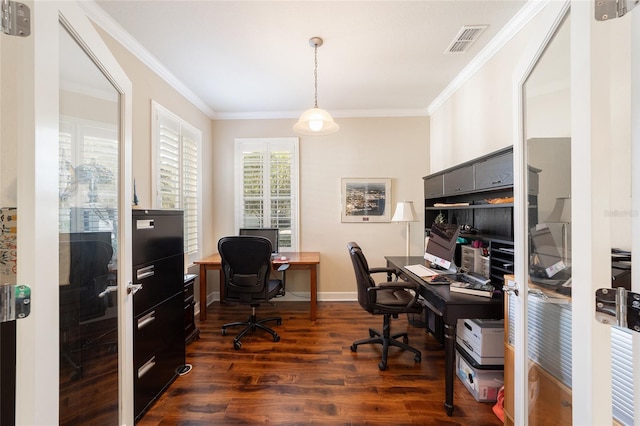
[(315, 121)]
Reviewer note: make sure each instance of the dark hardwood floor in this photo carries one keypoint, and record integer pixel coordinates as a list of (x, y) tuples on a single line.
[(311, 376)]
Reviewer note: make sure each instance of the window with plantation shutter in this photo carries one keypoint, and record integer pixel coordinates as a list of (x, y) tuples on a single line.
[(177, 172), (267, 187)]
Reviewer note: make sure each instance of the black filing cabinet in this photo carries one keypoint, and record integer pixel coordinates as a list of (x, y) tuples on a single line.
[(158, 306)]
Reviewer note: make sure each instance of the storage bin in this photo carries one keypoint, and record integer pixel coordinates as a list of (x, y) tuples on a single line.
[(483, 382), (483, 340)]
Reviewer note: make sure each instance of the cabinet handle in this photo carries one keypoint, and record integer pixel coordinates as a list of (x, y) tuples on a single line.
[(495, 182), (147, 367), (145, 272), (146, 320)]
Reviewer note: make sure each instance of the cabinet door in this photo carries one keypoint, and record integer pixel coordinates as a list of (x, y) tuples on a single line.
[(494, 172), (459, 181), (433, 186)]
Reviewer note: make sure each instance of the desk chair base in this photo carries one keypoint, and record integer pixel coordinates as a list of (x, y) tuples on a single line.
[(386, 339), (252, 324)]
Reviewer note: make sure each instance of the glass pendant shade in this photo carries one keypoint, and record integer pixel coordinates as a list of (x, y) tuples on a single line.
[(316, 121)]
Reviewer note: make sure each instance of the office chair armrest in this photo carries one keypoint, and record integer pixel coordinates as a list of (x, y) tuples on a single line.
[(389, 271)]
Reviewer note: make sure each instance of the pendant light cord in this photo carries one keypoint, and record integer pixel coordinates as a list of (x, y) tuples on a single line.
[(315, 74)]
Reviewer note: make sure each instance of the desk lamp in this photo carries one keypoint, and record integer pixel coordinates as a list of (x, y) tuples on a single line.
[(405, 213)]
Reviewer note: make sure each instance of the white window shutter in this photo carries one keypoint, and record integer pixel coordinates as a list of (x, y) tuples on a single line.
[(177, 147), (267, 187)]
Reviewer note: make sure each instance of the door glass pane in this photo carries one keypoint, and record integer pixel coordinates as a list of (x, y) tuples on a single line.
[(88, 228), (547, 127)]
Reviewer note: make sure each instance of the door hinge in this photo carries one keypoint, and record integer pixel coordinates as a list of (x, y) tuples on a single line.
[(15, 302), (612, 9), (16, 18), (619, 307)]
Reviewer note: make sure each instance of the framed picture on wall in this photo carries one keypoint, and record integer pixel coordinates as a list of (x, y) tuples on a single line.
[(366, 200)]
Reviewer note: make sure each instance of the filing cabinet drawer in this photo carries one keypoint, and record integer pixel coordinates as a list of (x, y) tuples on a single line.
[(160, 280), (156, 234), (154, 375), (157, 329)]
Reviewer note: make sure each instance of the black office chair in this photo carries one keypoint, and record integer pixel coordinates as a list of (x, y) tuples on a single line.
[(246, 263), (387, 299)]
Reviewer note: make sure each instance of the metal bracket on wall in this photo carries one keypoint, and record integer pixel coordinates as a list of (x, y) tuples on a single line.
[(16, 18), (15, 302), (612, 9), (619, 307)]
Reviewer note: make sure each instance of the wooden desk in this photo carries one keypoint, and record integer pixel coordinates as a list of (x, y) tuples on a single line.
[(296, 260), (451, 307)]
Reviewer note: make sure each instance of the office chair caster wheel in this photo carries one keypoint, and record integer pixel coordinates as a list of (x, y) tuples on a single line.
[(276, 338), (354, 348), (405, 339), (382, 366), (224, 331), (279, 322), (237, 345), (417, 358), (372, 333)]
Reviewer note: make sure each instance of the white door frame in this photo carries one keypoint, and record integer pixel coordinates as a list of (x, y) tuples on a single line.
[(37, 369), (592, 80)]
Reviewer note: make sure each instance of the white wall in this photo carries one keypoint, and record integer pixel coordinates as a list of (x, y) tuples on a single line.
[(478, 118), (396, 148)]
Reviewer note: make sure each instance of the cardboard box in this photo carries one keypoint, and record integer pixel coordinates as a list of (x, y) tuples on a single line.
[(482, 339), (483, 382)]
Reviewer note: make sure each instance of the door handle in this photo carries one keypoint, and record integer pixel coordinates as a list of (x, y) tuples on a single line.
[(510, 287), (108, 289), (133, 288)]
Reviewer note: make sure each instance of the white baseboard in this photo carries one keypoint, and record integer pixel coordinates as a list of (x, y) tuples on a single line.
[(296, 297)]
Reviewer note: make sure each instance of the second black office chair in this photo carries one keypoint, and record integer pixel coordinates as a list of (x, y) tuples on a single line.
[(246, 264), (387, 299)]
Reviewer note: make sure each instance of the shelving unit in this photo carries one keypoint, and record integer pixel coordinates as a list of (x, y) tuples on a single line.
[(478, 185)]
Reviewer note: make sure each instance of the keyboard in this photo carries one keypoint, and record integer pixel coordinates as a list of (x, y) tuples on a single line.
[(421, 270)]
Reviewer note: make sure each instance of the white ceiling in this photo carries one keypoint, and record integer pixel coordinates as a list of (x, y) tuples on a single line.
[(242, 59)]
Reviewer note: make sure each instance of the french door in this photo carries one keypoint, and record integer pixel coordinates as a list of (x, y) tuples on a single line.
[(66, 142), (585, 144)]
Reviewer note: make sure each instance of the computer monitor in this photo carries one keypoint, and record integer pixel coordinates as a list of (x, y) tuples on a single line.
[(544, 250), (271, 233), (442, 245)]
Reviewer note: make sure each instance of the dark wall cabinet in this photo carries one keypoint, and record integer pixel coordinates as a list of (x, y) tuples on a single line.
[(478, 195), (159, 331)]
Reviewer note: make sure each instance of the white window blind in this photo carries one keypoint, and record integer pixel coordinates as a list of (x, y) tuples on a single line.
[(177, 172), (267, 187), (88, 178)]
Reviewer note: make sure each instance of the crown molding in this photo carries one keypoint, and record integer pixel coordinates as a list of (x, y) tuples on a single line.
[(364, 113), (528, 11), (106, 22)]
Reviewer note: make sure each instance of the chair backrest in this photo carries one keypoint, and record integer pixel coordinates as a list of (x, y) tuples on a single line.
[(363, 278), (246, 264)]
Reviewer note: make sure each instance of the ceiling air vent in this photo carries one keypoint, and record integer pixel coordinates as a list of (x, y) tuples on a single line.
[(465, 38)]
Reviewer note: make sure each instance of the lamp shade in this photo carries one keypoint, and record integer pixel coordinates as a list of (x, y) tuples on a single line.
[(405, 212), (316, 121)]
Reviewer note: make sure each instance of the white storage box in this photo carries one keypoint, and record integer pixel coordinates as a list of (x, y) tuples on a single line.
[(483, 340), (483, 382)]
